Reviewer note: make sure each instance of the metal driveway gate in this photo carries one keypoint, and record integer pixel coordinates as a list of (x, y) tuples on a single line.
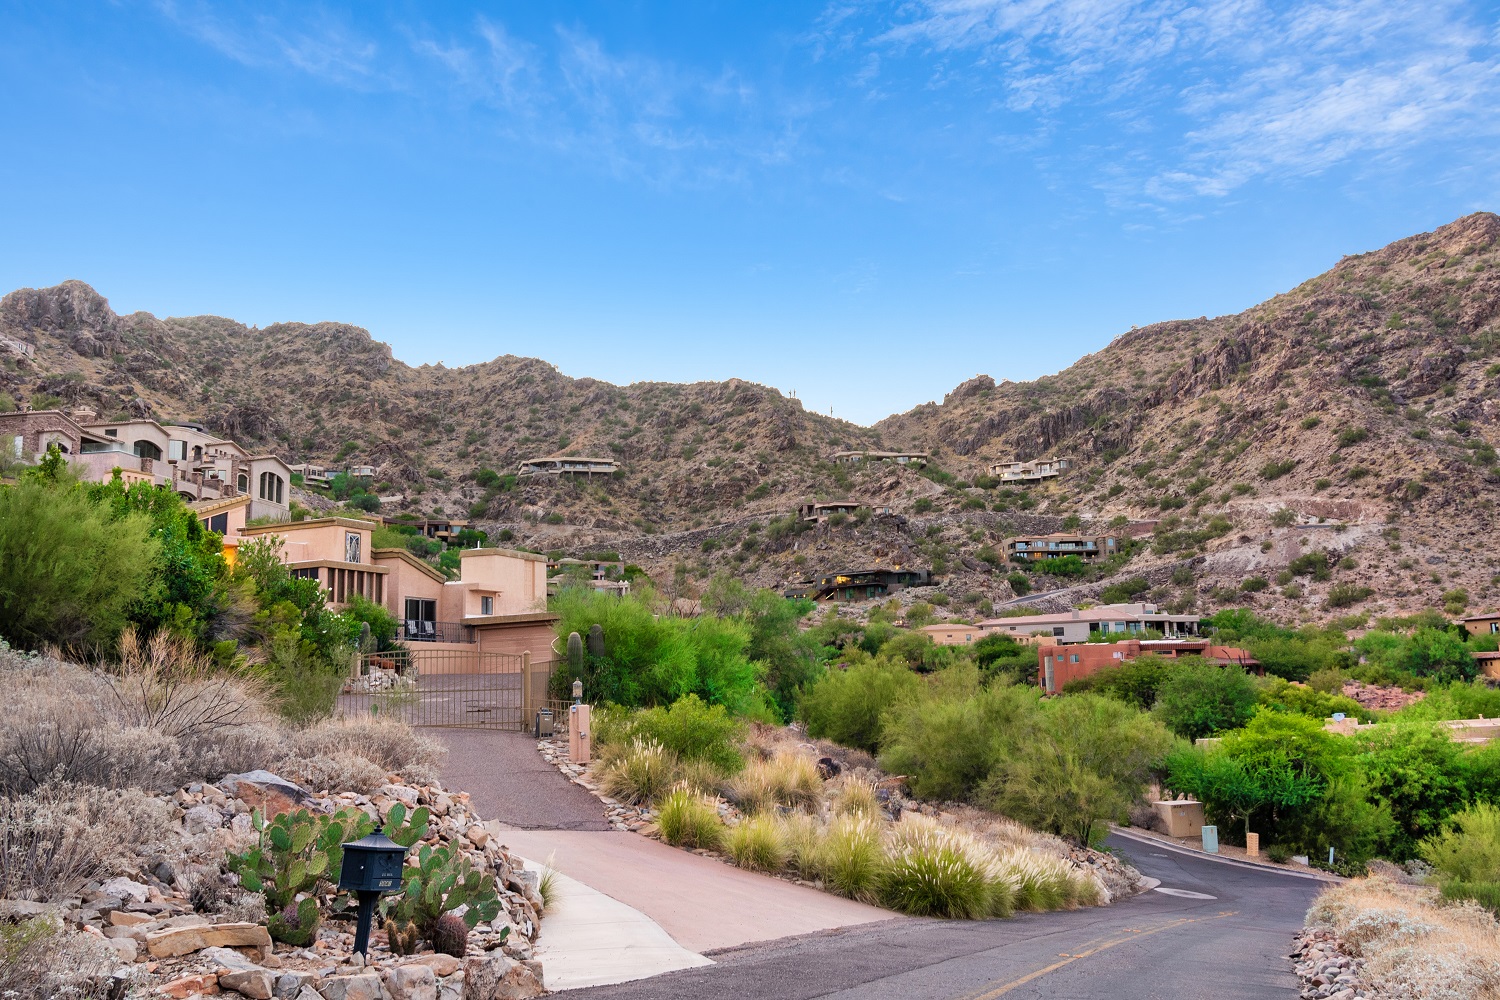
[(447, 687)]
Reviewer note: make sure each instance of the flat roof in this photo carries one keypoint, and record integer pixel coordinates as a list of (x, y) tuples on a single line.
[(312, 522), (403, 555), (513, 553)]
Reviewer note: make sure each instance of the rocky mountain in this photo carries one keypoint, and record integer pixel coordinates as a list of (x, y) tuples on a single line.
[(1356, 416)]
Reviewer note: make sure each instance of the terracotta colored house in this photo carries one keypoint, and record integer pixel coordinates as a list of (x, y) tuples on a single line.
[(335, 551), (1078, 625), (1486, 624), (1058, 665)]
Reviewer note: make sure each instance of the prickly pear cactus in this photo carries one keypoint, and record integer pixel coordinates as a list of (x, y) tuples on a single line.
[(442, 880), (296, 852)]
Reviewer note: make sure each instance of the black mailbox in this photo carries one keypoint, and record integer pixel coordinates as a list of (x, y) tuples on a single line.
[(372, 864)]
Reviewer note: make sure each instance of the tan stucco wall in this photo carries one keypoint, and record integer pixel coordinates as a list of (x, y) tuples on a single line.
[(517, 637), (406, 580), (516, 580)]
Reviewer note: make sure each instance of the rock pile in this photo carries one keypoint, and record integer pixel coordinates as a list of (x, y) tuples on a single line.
[(1386, 698), (183, 929), (1327, 970)]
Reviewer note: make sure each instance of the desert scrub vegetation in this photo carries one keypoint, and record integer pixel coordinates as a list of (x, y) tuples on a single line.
[(1413, 944), (37, 959)]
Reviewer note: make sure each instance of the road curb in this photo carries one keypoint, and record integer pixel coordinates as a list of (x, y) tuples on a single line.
[(1328, 877)]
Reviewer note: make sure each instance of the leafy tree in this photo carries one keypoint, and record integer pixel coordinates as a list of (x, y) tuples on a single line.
[(1197, 699), (1418, 772), (70, 572), (1282, 696), (1001, 656), (847, 706), (945, 741), (1135, 682)]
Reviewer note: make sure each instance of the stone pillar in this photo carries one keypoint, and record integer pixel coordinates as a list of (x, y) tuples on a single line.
[(580, 739), (1252, 845)]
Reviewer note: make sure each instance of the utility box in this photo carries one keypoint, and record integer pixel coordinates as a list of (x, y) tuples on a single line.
[(543, 723), (1182, 817), (579, 735)]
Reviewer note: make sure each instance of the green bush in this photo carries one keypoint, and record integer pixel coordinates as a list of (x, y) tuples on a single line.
[(944, 744), (1061, 566), (1468, 847), (1122, 592), (1418, 772), (70, 574), (846, 706), (1198, 699), (756, 844), (1486, 894), (927, 877), (851, 860), (1020, 583), (694, 731), (1343, 595), (689, 820)]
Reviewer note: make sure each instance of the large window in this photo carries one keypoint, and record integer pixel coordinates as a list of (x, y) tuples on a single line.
[(176, 450), (273, 489), (147, 449)]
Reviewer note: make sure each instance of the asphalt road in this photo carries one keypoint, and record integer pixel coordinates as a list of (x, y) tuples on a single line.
[(1231, 945)]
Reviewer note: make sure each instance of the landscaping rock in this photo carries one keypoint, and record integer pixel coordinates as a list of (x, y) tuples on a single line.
[(188, 986), (411, 982), (495, 977), (124, 888), (175, 941), (254, 983), (262, 790), (289, 985), (442, 966), (120, 918), (365, 986), (201, 819)]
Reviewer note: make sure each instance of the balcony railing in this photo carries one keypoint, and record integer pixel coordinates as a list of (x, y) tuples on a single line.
[(412, 630)]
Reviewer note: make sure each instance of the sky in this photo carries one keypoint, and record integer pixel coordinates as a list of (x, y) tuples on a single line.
[(864, 203)]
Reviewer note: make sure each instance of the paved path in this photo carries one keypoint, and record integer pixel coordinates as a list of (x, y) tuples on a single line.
[(512, 784), (1227, 940), (589, 939), (703, 904)]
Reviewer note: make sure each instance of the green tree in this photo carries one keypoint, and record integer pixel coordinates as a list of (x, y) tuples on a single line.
[(1418, 772), (69, 572), (848, 705), (1197, 699)]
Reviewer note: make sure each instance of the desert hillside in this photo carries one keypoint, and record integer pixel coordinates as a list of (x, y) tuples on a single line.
[(1355, 415)]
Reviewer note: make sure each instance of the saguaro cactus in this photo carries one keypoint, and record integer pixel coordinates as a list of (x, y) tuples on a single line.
[(596, 640), (575, 652)]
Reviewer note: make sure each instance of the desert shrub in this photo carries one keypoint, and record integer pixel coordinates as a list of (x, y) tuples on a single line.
[(341, 771), (851, 859), (306, 687), (391, 746), (689, 820), (1020, 583), (641, 773), (1122, 592), (756, 844), (944, 744), (1279, 853), (38, 958), (56, 838), (787, 780), (1134, 682), (69, 572), (694, 731), (846, 706), (1343, 595), (1198, 699), (1418, 772), (1073, 762), (1468, 847)]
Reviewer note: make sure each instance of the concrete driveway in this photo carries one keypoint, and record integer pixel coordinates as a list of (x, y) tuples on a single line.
[(511, 783)]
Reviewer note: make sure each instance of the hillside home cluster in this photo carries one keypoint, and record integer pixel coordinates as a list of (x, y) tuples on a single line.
[(588, 467), (917, 458), (604, 575), (1074, 626), (319, 475), (817, 513), (1028, 473), (199, 466), (860, 584)]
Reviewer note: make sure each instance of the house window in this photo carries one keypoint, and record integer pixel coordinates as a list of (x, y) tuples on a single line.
[(486, 605), (148, 449), (176, 450), (242, 483), (272, 488), (1057, 630), (1494, 628), (1073, 658), (351, 546), (111, 433), (219, 523)]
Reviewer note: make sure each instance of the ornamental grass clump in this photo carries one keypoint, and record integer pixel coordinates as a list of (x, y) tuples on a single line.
[(1042, 882), (788, 780), (756, 844), (852, 859), (934, 871), (802, 837), (689, 820), (642, 772)]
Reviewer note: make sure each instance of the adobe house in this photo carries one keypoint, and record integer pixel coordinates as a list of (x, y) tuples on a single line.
[(497, 605), (916, 458), (953, 633), (817, 513), (1485, 624), (335, 551), (589, 467), (1059, 665)]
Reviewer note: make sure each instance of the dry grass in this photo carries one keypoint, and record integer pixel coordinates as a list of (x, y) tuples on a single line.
[(788, 779), (38, 959), (56, 838), (1412, 941), (854, 797), (391, 746)]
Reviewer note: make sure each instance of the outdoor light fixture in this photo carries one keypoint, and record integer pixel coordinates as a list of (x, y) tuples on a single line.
[(372, 865), (578, 692)]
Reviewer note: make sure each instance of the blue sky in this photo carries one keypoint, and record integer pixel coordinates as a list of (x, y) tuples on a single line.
[(863, 202)]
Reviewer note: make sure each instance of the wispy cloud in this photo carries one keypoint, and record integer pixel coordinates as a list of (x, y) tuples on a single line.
[(1241, 89), (317, 42)]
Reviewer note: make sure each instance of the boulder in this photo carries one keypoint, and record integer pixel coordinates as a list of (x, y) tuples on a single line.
[(441, 965), (290, 985), (125, 949), (124, 888), (262, 790), (201, 819), (120, 918), (254, 983), (365, 986), (172, 942), (411, 982), (189, 986), (495, 977)]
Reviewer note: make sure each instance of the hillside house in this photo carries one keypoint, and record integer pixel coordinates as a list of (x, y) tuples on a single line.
[(604, 575), (1036, 548), (335, 551), (312, 475), (817, 513), (589, 467), (953, 633), (194, 463), (860, 584), (497, 605), (1485, 624), (443, 529), (1027, 473), (1077, 625), (1059, 665), (916, 458)]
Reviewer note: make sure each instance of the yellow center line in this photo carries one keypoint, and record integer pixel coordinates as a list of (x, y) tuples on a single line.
[(1132, 935)]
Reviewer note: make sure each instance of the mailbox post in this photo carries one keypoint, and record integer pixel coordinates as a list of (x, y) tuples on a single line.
[(372, 865)]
